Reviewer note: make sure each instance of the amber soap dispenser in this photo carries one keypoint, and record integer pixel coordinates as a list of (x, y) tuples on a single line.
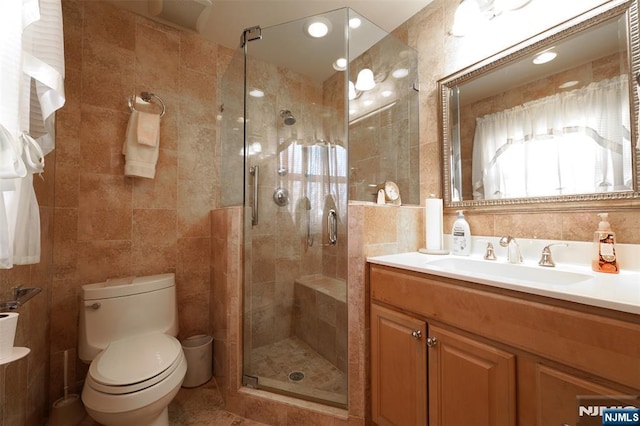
[(604, 241)]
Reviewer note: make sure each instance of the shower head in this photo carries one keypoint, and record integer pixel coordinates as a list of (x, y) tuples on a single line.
[(289, 119)]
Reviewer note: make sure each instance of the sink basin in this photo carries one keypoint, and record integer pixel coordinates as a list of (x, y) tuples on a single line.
[(505, 271)]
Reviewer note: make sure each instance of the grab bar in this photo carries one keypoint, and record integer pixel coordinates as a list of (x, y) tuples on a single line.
[(307, 207), (332, 227), (255, 172)]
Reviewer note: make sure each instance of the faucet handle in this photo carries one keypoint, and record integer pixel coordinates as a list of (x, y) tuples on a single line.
[(546, 259), (489, 253)]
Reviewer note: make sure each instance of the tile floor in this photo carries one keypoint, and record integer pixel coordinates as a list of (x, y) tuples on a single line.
[(273, 364), (198, 406)]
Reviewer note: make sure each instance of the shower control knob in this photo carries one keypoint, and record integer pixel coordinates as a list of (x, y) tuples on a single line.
[(432, 341), (416, 334), (281, 197)]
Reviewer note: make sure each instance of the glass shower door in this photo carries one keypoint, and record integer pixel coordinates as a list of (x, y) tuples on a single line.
[(295, 310)]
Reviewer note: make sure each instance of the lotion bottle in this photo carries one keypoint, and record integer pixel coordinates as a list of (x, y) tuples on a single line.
[(461, 236), (604, 242)]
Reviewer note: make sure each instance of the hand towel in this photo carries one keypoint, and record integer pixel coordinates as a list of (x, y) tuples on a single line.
[(140, 159), (148, 128)]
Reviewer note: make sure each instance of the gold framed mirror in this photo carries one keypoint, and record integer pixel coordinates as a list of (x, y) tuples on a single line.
[(554, 134)]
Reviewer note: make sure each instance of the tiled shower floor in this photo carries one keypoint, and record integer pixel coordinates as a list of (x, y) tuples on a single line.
[(275, 362)]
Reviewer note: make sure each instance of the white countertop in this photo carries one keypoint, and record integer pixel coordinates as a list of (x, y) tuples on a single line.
[(620, 292)]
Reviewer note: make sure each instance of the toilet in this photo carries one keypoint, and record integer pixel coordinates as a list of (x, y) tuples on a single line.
[(127, 330)]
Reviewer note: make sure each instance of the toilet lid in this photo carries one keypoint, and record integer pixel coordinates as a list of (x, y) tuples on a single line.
[(135, 359)]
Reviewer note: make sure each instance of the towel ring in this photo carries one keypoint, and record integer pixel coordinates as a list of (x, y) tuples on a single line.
[(148, 97)]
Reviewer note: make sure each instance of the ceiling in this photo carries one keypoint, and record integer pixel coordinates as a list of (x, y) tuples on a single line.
[(594, 43), (228, 18)]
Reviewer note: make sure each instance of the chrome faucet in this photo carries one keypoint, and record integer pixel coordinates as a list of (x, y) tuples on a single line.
[(513, 249), (546, 259), (489, 253)]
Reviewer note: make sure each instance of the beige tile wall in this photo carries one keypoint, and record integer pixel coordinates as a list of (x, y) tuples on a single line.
[(106, 224)]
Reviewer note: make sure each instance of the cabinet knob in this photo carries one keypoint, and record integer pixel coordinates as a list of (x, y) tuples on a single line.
[(416, 334), (432, 341)]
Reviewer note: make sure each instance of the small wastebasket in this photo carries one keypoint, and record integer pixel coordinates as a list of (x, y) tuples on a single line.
[(198, 352)]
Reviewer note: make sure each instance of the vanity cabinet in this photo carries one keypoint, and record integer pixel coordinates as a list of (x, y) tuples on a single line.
[(399, 368), (470, 382), (490, 356)]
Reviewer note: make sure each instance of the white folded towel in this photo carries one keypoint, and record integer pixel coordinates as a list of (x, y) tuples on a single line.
[(148, 128), (140, 159)]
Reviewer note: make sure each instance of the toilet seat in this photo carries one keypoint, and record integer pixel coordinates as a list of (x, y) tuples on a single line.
[(134, 363)]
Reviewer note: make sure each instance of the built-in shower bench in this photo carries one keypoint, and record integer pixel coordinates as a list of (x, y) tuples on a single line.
[(320, 306)]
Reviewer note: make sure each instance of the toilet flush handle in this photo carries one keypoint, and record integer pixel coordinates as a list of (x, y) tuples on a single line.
[(94, 305)]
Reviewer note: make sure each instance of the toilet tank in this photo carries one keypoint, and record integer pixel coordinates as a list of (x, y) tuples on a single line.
[(124, 307)]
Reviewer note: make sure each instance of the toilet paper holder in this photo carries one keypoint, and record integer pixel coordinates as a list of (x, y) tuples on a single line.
[(21, 295)]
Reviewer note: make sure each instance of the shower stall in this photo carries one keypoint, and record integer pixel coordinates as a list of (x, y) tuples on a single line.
[(288, 100)]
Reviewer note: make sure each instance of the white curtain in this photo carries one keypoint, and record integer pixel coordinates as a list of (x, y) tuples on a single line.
[(568, 143), (316, 181), (31, 90)]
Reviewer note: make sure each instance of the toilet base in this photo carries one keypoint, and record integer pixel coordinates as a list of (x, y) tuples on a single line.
[(141, 418), (139, 408)]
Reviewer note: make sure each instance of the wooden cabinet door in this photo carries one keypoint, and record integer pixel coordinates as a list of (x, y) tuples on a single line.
[(470, 383), (398, 368), (557, 397)]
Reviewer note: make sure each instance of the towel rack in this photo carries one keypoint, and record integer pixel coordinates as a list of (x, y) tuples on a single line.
[(148, 97)]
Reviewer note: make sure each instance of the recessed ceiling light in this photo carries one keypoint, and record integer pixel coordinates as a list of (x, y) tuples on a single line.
[(256, 93), (355, 23), (340, 64), (568, 84), (318, 27), (400, 73), (544, 57)]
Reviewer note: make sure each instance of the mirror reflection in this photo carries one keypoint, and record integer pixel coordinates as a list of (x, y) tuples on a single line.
[(554, 121)]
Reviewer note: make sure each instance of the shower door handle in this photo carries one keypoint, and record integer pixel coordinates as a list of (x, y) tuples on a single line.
[(255, 172), (332, 227)]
